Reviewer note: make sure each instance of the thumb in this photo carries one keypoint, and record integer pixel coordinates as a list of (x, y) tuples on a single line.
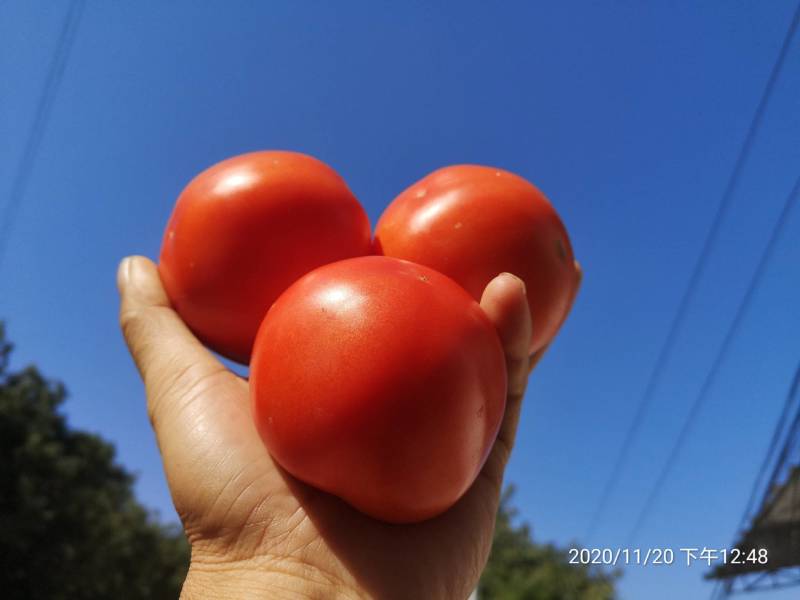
[(505, 302), (168, 356)]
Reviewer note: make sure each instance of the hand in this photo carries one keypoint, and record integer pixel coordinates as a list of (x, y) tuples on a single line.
[(255, 531)]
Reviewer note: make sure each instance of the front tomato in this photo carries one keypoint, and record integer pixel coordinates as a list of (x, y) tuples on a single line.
[(473, 222), (382, 382), (243, 230)]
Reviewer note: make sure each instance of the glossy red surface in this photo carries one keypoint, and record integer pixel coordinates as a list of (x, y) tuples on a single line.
[(243, 230), (382, 382), (473, 222)]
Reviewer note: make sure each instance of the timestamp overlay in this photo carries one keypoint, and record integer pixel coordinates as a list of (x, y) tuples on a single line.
[(686, 556)]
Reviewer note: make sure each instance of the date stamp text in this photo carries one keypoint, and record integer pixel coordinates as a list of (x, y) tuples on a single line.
[(620, 557)]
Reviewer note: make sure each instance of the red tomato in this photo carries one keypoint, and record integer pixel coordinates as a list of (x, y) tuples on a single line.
[(244, 230), (382, 382), (472, 223)]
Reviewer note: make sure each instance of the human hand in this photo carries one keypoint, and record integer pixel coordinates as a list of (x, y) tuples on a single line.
[(255, 531)]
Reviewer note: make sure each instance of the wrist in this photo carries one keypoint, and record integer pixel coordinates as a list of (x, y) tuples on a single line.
[(261, 578)]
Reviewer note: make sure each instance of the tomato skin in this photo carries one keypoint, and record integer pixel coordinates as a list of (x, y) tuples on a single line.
[(243, 230), (382, 382), (473, 222)]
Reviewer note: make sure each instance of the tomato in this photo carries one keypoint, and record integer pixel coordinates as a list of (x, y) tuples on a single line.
[(382, 382), (244, 230), (473, 222)]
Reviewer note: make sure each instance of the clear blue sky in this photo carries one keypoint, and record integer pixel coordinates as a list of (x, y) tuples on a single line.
[(629, 115)]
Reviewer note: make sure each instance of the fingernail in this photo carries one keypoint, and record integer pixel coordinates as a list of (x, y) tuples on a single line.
[(520, 282)]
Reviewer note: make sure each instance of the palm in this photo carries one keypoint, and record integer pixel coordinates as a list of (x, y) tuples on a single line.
[(249, 508)]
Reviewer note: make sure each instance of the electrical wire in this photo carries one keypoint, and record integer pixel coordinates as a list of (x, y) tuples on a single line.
[(777, 436), (41, 117), (699, 267), (721, 588), (791, 440), (718, 359)]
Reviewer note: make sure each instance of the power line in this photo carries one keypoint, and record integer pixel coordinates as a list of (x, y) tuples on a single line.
[(719, 358), (699, 267), (54, 75), (777, 435), (791, 439), (720, 589)]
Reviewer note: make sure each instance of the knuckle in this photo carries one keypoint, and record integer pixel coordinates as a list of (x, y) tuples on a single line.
[(131, 322), (135, 321)]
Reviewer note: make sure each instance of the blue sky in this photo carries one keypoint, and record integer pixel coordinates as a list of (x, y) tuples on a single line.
[(628, 115)]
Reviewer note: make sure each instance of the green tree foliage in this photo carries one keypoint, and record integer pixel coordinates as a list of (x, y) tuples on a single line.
[(519, 569), (70, 527)]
